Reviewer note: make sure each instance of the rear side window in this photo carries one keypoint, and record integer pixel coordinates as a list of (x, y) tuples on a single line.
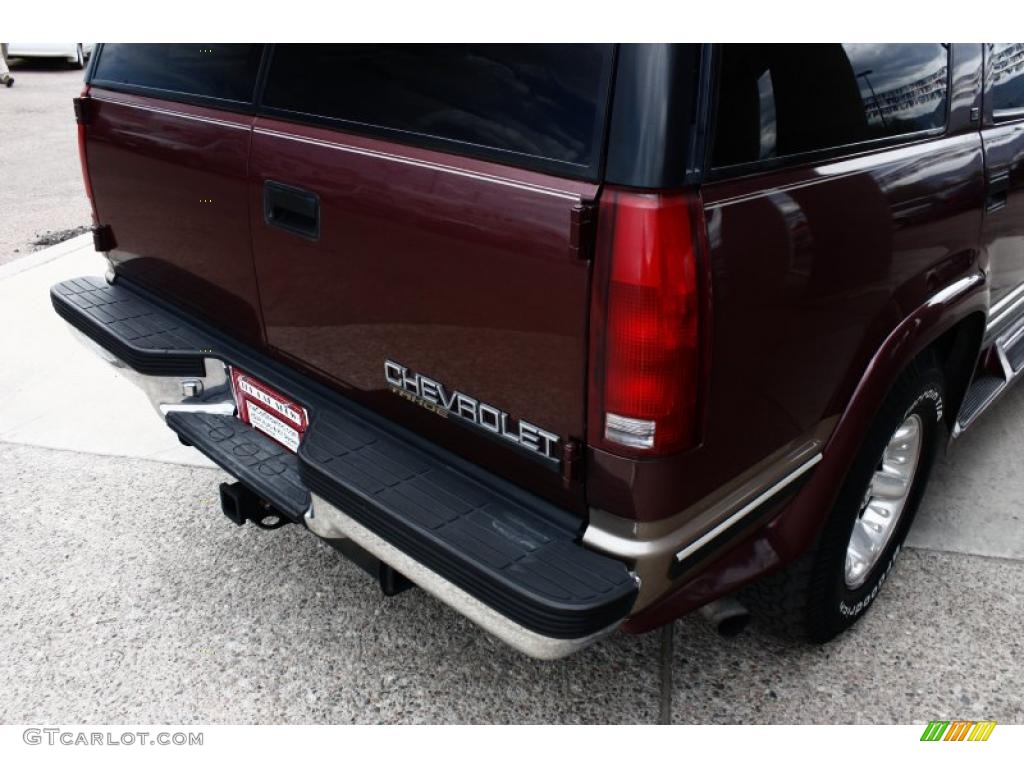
[(780, 100), (1006, 69), (521, 104), (207, 70)]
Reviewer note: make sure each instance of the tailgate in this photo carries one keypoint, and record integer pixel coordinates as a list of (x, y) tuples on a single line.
[(448, 298), (447, 292)]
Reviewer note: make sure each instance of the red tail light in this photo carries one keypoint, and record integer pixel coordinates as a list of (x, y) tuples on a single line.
[(84, 163), (80, 105), (646, 324)]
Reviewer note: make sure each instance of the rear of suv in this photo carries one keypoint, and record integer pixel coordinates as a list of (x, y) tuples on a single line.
[(575, 337)]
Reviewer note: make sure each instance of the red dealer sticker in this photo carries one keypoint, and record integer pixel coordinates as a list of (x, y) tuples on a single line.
[(267, 410)]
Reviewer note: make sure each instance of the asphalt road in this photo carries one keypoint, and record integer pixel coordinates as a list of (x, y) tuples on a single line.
[(126, 596), (41, 192)]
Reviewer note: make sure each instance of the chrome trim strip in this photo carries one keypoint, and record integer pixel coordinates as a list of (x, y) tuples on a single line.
[(747, 509), (1017, 291), (172, 113), (328, 522), (953, 290), (852, 160), (222, 408), (1007, 115), (1013, 336), (420, 163), (994, 309), (997, 312)]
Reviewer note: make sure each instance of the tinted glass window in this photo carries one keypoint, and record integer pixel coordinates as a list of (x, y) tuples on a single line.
[(204, 69), (1006, 68), (531, 101), (778, 100)]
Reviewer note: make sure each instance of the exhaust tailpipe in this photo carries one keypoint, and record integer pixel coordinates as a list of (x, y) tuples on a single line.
[(727, 615)]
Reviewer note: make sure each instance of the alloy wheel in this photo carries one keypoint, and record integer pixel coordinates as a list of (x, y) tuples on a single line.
[(884, 501)]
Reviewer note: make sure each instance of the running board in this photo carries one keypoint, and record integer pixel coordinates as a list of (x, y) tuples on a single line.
[(987, 386)]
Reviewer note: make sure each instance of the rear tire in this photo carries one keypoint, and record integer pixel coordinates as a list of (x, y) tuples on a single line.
[(831, 586)]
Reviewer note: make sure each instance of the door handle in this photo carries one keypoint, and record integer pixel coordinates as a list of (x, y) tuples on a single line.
[(998, 189), (291, 209)]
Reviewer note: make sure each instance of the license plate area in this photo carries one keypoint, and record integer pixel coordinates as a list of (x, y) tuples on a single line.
[(268, 411)]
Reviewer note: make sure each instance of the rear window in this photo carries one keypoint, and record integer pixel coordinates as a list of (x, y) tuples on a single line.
[(779, 100), (225, 72), (534, 105), (1006, 69)]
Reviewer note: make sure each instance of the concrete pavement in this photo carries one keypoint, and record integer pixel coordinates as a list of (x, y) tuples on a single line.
[(127, 596), (41, 195), (56, 394)]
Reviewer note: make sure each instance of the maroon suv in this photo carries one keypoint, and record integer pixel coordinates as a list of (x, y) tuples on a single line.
[(574, 337)]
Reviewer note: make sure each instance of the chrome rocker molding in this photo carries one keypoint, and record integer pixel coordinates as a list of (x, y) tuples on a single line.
[(650, 549), (329, 522), (745, 510)]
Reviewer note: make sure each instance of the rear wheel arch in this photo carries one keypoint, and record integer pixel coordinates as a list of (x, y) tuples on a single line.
[(836, 580), (802, 599), (951, 343), (946, 326)]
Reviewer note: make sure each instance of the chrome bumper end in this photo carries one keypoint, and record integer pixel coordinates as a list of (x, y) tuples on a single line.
[(329, 522)]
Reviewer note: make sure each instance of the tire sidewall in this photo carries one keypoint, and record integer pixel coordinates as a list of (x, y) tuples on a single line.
[(834, 606)]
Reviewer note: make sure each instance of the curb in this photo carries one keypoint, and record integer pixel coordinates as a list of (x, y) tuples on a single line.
[(39, 258)]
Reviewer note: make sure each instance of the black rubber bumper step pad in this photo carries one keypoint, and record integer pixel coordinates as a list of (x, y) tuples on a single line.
[(267, 468), (524, 562), (511, 550), (147, 337)]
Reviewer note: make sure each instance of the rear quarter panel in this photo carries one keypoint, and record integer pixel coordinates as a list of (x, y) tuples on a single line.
[(811, 269)]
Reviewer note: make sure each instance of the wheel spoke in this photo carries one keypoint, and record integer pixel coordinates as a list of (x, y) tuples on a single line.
[(888, 485), (867, 536), (884, 500), (855, 564), (876, 514)]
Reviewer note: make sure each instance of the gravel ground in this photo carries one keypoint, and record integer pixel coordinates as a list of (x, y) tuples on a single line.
[(126, 596), (46, 203)]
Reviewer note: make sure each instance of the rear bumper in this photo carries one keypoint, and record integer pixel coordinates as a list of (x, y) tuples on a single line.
[(510, 562), (43, 50)]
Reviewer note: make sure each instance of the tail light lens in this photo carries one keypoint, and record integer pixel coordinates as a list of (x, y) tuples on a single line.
[(647, 324), (82, 158)]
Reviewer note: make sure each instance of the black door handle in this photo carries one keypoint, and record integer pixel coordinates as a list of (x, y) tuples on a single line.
[(291, 209), (998, 190)]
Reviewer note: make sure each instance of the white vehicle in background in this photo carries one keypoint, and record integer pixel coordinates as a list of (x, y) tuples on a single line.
[(74, 53)]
